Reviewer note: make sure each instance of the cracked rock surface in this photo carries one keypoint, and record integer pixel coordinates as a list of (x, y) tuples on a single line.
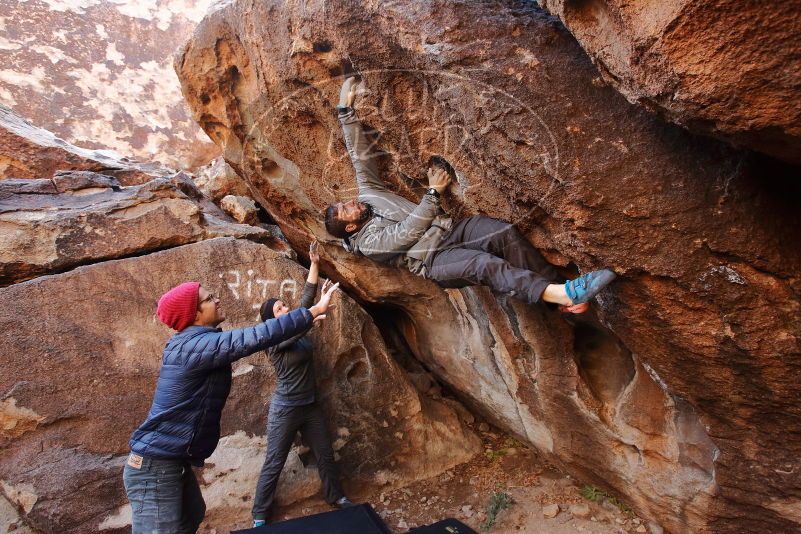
[(83, 217), (28, 151)]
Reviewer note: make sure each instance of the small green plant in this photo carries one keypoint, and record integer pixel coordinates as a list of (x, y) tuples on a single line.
[(508, 443), (512, 443), (499, 501), (493, 455), (592, 493)]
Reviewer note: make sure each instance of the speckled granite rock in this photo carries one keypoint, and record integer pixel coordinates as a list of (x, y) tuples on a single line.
[(99, 75)]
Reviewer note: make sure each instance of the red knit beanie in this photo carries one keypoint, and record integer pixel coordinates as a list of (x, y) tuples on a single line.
[(178, 306)]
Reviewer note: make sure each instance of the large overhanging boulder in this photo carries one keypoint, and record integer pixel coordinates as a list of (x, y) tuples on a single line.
[(80, 361), (722, 67), (678, 396)]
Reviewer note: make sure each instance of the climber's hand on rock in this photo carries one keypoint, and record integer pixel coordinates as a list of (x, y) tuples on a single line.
[(347, 95), (314, 252), (438, 178)]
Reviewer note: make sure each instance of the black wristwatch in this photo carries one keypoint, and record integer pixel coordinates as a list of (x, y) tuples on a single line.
[(433, 192), (343, 110)]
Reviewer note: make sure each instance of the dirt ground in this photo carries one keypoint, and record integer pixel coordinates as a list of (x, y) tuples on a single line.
[(465, 493)]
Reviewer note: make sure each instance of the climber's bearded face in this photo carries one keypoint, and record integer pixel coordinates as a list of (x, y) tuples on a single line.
[(354, 212)]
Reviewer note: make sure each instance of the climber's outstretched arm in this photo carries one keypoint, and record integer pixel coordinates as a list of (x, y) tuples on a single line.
[(363, 153)]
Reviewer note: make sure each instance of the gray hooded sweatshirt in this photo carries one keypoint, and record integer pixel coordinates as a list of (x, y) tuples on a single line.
[(400, 233)]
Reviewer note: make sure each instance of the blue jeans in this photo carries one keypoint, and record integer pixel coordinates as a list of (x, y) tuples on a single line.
[(164, 495)]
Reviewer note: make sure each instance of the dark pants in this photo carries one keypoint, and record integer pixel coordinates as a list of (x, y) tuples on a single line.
[(283, 423), (483, 251), (165, 497)]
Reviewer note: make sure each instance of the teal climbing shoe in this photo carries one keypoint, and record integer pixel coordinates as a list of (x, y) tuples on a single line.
[(588, 285)]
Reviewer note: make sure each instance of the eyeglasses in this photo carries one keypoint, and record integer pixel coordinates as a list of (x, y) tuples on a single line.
[(207, 299)]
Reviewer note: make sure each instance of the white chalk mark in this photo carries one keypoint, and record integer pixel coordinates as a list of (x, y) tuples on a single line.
[(234, 285)]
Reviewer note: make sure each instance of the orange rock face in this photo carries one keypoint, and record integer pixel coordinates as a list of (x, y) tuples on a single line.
[(218, 180), (99, 75), (677, 393), (726, 68)]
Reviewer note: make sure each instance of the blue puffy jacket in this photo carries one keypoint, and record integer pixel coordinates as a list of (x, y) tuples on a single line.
[(194, 382)]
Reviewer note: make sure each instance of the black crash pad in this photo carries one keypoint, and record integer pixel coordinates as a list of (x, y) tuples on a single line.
[(360, 519)]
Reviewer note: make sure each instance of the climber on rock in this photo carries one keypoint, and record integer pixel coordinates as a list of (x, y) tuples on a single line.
[(183, 426), (478, 250), (295, 407)]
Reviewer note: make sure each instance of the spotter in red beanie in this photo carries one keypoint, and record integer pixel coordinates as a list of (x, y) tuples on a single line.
[(178, 306)]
